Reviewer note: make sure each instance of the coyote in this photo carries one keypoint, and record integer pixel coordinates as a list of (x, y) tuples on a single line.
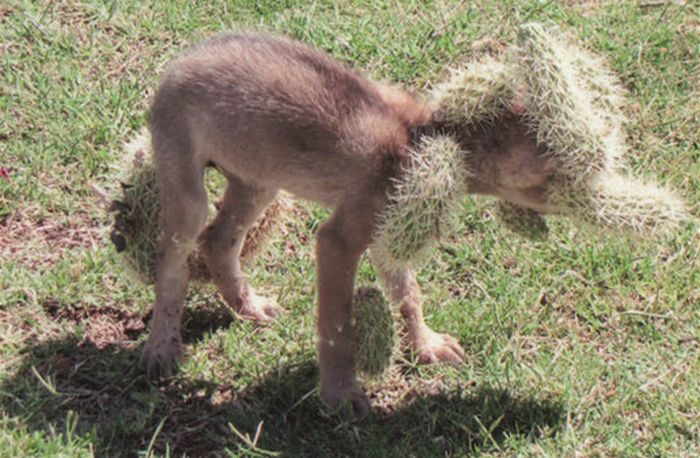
[(271, 113)]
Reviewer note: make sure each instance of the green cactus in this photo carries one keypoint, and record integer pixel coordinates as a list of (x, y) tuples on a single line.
[(477, 93), (423, 203), (136, 208), (576, 109), (376, 339), (622, 202), (574, 105), (561, 108)]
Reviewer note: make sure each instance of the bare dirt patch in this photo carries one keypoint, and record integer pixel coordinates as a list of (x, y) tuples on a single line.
[(109, 326), (104, 326), (42, 242)]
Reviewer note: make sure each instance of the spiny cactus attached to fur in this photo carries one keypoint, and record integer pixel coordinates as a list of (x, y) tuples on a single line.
[(574, 105), (423, 203), (477, 93), (576, 108), (135, 230), (561, 107), (136, 207), (375, 337), (622, 202), (605, 87), (608, 98)]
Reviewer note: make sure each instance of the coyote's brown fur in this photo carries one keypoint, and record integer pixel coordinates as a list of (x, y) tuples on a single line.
[(274, 114)]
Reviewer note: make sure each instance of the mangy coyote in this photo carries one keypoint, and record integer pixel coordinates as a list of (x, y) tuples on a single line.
[(274, 114)]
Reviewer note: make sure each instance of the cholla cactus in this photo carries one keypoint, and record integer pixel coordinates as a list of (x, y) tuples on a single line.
[(608, 95), (617, 201), (574, 106), (375, 337), (135, 231), (561, 108), (477, 93), (422, 205), (576, 109)]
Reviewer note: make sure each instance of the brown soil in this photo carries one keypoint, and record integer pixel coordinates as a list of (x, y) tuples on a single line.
[(42, 242), (104, 326)]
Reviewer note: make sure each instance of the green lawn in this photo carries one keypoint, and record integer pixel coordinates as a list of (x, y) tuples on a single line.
[(586, 345)]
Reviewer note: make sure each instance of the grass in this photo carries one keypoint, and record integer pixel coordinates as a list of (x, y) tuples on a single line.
[(586, 345)]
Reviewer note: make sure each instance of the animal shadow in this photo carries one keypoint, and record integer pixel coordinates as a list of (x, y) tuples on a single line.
[(121, 412)]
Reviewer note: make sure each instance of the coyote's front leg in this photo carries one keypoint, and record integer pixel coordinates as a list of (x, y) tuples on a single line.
[(340, 244), (221, 245), (430, 346)]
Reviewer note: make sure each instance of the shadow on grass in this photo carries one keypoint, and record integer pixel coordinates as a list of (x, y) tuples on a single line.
[(121, 411)]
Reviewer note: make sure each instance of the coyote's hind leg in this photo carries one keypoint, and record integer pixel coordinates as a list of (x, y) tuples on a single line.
[(221, 245)]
